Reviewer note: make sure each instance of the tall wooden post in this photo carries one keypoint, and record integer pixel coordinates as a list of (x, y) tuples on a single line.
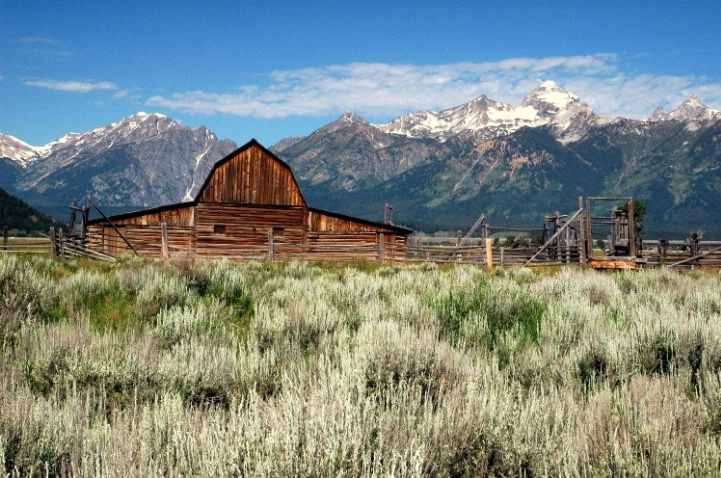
[(53, 245), (84, 225), (631, 231), (489, 253), (5, 238), (271, 246), (388, 216), (581, 235), (381, 247), (62, 243), (71, 224), (589, 238), (615, 231), (165, 247)]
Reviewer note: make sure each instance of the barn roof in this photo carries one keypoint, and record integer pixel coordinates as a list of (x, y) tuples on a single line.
[(229, 157)]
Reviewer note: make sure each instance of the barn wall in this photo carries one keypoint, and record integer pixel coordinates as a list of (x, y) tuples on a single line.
[(232, 230), (182, 216), (147, 240), (355, 246), (319, 221), (252, 177)]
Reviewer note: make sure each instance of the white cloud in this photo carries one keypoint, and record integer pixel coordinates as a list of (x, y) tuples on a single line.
[(383, 90), (72, 86)]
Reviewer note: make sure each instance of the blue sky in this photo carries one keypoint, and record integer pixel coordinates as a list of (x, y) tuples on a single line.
[(269, 70)]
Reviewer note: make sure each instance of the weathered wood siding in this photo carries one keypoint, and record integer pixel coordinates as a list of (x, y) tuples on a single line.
[(147, 240), (252, 177), (181, 216), (321, 221), (232, 230)]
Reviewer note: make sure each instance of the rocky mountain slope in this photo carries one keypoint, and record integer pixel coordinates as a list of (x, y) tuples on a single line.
[(141, 161), (515, 164)]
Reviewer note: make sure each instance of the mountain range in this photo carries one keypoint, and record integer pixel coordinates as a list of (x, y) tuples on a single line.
[(142, 161), (515, 164), (439, 169)]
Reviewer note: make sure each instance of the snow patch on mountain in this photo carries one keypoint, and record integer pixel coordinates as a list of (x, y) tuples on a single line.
[(17, 150), (485, 118), (692, 110)]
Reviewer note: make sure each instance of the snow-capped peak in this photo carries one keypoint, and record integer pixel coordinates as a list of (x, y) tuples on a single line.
[(693, 109), (139, 126), (142, 115), (548, 104), (17, 150), (350, 117), (58, 144), (549, 98), (659, 114)]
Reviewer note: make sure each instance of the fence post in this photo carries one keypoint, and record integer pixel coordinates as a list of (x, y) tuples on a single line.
[(589, 237), (381, 247), (5, 238), (62, 243), (502, 256), (581, 241), (165, 247), (631, 230), (53, 245), (489, 253), (271, 246), (84, 225)]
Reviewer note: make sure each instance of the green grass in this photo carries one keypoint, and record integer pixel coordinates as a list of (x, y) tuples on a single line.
[(138, 368)]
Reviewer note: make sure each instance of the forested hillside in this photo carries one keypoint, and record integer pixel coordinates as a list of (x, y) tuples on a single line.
[(21, 218)]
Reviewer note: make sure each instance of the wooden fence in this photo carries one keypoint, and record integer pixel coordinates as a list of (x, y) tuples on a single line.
[(682, 254), (26, 245), (481, 252)]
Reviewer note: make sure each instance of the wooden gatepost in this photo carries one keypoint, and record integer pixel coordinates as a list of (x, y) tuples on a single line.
[(622, 253)]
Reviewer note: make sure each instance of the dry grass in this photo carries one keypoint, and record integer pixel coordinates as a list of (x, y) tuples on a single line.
[(213, 369)]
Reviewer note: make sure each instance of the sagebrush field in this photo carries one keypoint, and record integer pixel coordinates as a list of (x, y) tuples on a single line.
[(137, 368)]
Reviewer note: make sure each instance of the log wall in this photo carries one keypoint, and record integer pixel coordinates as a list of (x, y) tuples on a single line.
[(231, 230), (178, 216), (147, 240), (323, 221)]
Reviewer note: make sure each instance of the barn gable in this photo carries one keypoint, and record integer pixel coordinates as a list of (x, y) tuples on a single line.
[(251, 175)]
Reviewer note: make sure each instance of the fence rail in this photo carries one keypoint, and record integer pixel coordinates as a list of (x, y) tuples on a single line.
[(26, 245), (655, 253)]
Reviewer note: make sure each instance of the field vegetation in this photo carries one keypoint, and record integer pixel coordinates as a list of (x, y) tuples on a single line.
[(135, 368)]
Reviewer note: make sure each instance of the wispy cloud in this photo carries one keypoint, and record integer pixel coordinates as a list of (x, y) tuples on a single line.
[(72, 86), (379, 89), (39, 47)]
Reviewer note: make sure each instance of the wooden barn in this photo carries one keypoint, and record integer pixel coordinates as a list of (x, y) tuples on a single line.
[(250, 206)]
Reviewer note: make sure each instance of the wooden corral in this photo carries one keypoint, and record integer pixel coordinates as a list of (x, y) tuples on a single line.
[(250, 206)]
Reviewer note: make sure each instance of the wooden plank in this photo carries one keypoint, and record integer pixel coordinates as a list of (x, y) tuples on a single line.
[(165, 244), (612, 262)]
